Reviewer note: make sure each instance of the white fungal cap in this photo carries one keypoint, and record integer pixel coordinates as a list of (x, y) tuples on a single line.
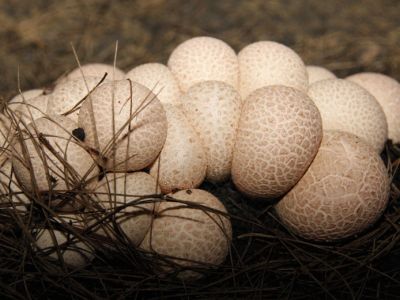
[(32, 109), (279, 133), (348, 107), (58, 163), (213, 108), (122, 191), (182, 163), (96, 70), (192, 235), (317, 73), (11, 195), (7, 134), (67, 95), (201, 59), (73, 252), (387, 92), (159, 79), (19, 98), (269, 63), (134, 147), (345, 190)]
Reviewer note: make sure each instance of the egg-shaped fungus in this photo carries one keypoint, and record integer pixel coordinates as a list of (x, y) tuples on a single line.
[(182, 163), (267, 63), (125, 198), (279, 133), (213, 108), (317, 73), (386, 90), (95, 70), (126, 123), (344, 191), (203, 59), (159, 79), (346, 106), (189, 235)]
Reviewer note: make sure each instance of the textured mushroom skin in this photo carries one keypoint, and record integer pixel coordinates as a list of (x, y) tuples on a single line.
[(213, 108), (134, 220), (7, 135), (345, 190), (182, 163), (68, 94), (346, 106), (74, 252), (135, 147), (386, 90), (33, 108), (189, 233), (95, 70), (279, 133), (316, 73), (58, 132), (25, 95), (159, 79), (202, 59), (268, 63)]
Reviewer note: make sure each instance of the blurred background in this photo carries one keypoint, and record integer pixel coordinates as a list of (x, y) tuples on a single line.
[(344, 36)]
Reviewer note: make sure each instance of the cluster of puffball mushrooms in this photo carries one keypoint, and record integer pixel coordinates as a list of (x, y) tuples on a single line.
[(96, 147)]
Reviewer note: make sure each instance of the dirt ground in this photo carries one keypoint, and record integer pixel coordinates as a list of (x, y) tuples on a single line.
[(36, 36)]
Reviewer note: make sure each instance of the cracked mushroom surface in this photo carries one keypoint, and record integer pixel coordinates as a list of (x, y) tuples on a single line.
[(346, 106), (182, 163), (159, 79), (345, 190), (213, 108), (268, 63), (387, 92), (126, 123), (192, 236), (203, 59), (49, 152), (279, 133), (133, 219), (95, 70), (67, 95)]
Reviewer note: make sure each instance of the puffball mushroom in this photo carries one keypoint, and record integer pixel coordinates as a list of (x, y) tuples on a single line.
[(11, 194), (345, 190), (7, 132), (317, 73), (159, 79), (202, 59), (32, 109), (126, 123), (280, 130), (191, 235), (95, 70), (213, 108), (68, 94), (63, 246), (346, 106), (25, 95), (386, 90), (182, 163), (113, 193), (267, 63), (47, 158)]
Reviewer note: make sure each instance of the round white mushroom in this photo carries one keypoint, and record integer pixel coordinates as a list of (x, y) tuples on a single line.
[(192, 236), (346, 106), (317, 73), (345, 190), (279, 133), (159, 79), (126, 123), (267, 63), (202, 59), (387, 92)]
